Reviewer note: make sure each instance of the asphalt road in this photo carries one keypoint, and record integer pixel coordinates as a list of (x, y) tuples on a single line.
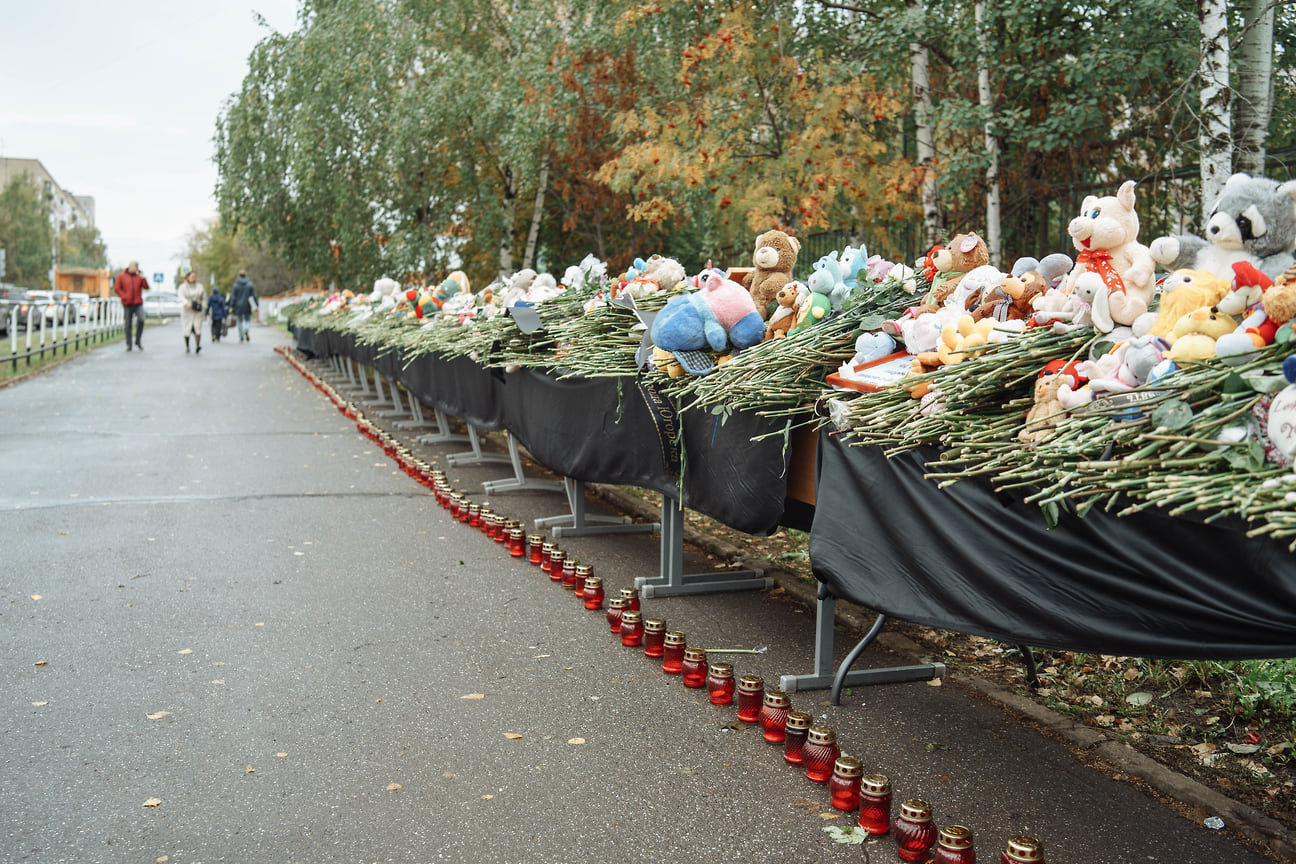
[(220, 600)]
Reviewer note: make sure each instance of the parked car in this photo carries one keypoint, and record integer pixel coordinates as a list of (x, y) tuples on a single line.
[(42, 299), (162, 304), (80, 304), (12, 297)]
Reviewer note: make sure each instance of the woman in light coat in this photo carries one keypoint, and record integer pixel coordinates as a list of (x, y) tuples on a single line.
[(193, 310)]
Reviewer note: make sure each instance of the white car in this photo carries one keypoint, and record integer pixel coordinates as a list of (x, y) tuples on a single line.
[(162, 304)]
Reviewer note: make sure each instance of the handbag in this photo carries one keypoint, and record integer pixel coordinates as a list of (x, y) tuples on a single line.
[(195, 305)]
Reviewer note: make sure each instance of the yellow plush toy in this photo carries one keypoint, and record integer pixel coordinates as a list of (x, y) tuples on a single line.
[(1194, 336), (1185, 291), (960, 340)]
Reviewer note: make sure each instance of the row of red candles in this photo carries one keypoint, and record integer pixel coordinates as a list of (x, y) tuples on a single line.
[(814, 748)]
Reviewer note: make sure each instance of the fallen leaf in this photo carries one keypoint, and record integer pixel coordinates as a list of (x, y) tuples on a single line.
[(487, 797), (448, 775), (512, 736), (1255, 767), (473, 696), (153, 802), (218, 680), (392, 787), (1095, 701), (164, 859), (935, 682), (259, 624), (1139, 698), (39, 704), (1242, 749), (36, 597), (184, 651), (575, 740), (1105, 720), (249, 770), (282, 755), (158, 715), (1130, 674), (42, 662), (826, 816)]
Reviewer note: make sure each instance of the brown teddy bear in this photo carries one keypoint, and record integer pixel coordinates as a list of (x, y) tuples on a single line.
[(1012, 300), (951, 263), (785, 315), (774, 258)]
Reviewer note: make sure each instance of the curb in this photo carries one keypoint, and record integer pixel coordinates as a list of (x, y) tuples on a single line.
[(1199, 799)]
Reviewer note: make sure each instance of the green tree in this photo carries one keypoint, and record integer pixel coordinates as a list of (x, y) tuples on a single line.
[(218, 253), (82, 246), (25, 233)]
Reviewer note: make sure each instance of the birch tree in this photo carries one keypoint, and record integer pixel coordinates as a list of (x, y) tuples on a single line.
[(926, 139), (1253, 101), (1215, 136), (994, 239)]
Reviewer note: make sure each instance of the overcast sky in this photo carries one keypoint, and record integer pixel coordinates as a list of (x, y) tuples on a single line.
[(119, 101)]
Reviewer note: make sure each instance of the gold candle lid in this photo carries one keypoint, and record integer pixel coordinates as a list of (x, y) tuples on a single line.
[(630, 616), (617, 603), (751, 683), (799, 720), (692, 654), (721, 670), (876, 784), (823, 735), (1024, 848), (654, 625), (584, 570), (777, 699), (916, 810), (955, 837), (848, 766), (675, 637)]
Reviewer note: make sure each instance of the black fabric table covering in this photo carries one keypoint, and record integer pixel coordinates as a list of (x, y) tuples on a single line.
[(304, 337), (968, 559), (459, 386), (599, 430)]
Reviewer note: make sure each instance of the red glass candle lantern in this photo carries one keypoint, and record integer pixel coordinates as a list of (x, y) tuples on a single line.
[(474, 515), (535, 548), (1022, 849), (795, 730), (569, 574), (673, 646), (751, 691), (694, 667), (557, 559), (915, 833), (773, 715), (954, 846), (456, 503), (844, 785), (616, 606), (583, 572), (720, 683), (875, 804), (593, 593), (516, 544), (631, 597), (632, 628), (819, 753), (654, 637), (465, 509), (546, 557), (487, 515)]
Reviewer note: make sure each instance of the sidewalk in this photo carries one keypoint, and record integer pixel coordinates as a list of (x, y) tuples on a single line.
[(242, 609)]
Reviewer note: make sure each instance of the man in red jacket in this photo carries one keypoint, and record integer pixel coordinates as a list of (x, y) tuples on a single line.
[(130, 287)]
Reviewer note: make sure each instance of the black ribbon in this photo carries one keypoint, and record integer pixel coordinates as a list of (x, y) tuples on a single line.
[(666, 421)]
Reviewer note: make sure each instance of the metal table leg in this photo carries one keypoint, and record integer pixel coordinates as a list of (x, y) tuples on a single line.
[(823, 675), (673, 581), (578, 523)]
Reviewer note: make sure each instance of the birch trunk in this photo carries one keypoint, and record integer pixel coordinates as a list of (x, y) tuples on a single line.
[(542, 183), (1254, 100), (993, 239), (1214, 135), (507, 219), (923, 127)]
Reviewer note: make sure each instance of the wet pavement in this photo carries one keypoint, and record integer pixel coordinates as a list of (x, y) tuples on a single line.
[(233, 631)]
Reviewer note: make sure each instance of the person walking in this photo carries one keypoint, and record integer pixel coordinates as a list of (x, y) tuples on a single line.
[(242, 298), (130, 287), (216, 309), (193, 310)]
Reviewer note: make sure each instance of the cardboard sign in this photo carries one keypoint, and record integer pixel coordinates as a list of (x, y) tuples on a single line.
[(877, 374)]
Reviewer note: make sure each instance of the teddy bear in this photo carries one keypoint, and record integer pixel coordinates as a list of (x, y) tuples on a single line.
[(721, 313), (962, 339), (774, 258), (949, 265), (785, 315), (1254, 220), (656, 274), (1047, 409), (1119, 269)]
